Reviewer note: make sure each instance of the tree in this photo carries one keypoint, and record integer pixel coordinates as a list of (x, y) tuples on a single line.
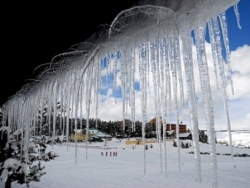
[(203, 137), (18, 165), (174, 143), (182, 145)]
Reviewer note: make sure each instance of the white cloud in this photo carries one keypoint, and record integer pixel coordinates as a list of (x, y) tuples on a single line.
[(240, 60)]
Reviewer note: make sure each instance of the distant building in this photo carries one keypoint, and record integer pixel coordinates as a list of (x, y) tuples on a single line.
[(78, 134), (98, 134), (170, 134), (172, 127), (92, 134), (169, 126), (154, 120)]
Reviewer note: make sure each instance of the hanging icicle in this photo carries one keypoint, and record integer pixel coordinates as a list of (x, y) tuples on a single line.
[(206, 96), (216, 42), (187, 59), (223, 22), (237, 14)]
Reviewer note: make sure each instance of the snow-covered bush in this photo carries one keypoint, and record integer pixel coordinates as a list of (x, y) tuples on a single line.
[(15, 165)]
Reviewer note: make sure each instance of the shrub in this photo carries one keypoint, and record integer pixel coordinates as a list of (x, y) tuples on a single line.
[(15, 166), (174, 144)]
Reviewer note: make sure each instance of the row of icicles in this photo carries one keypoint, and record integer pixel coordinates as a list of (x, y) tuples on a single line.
[(159, 63)]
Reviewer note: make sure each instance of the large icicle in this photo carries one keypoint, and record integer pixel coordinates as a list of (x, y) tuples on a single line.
[(237, 15), (188, 63), (54, 97), (143, 51), (216, 42), (173, 66), (223, 21), (207, 97), (164, 94)]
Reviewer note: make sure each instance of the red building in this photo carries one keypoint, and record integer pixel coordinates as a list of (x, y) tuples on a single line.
[(172, 127)]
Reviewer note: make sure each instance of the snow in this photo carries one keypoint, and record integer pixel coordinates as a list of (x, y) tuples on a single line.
[(11, 163), (126, 169)]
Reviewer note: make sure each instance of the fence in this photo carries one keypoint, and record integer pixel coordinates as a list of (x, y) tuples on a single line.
[(89, 147)]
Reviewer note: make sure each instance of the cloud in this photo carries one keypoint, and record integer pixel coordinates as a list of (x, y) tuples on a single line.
[(240, 61)]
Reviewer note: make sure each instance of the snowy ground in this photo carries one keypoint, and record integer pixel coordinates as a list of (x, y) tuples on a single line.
[(126, 170)]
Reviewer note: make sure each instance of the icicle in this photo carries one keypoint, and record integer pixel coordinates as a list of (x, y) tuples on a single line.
[(88, 102), (154, 69), (223, 21), (132, 89), (76, 103), (178, 66), (61, 107), (143, 77), (126, 82), (68, 115), (212, 41), (187, 59), (206, 96), (97, 80), (123, 82), (49, 115), (63, 113), (54, 114), (237, 15), (115, 74), (174, 85), (163, 104), (166, 93), (215, 31), (168, 79), (81, 107)]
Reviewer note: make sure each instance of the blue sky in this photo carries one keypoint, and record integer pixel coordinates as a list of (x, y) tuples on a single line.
[(239, 37)]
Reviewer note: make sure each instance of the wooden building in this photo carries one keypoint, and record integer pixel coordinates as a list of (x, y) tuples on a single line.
[(172, 126)]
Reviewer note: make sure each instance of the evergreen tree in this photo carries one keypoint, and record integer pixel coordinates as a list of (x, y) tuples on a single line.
[(203, 137), (182, 145), (15, 164), (174, 144)]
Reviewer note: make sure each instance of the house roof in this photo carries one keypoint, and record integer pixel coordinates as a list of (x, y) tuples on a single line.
[(93, 129), (170, 132), (78, 130), (184, 135), (100, 134)]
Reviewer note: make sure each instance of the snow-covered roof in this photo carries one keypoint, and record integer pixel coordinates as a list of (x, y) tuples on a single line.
[(170, 132), (93, 129), (184, 135), (78, 130), (101, 134), (4, 128)]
